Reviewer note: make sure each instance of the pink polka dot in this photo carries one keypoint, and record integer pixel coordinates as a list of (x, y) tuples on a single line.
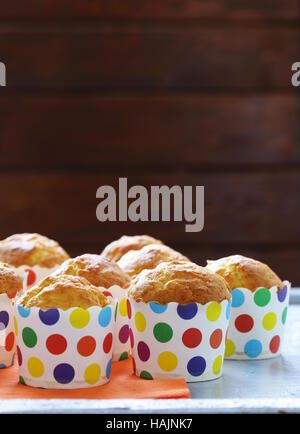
[(124, 334), (143, 351), (244, 323)]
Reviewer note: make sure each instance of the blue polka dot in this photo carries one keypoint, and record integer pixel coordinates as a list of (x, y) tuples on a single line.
[(23, 312), (2, 366), (108, 369), (158, 308), (49, 316), (4, 319), (238, 297), (64, 373), (105, 316), (187, 311), (196, 366), (282, 294), (228, 309), (253, 348)]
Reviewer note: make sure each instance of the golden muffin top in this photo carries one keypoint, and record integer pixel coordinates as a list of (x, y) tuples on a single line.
[(148, 257), (63, 292), (242, 272), (116, 249), (10, 282), (31, 249), (98, 270), (180, 282)]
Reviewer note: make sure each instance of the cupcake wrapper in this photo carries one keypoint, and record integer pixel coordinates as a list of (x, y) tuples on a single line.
[(257, 323), (7, 332), (176, 341), (121, 347), (59, 349), (33, 275)]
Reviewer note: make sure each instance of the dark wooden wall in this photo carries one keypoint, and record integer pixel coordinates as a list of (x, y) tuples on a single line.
[(183, 92)]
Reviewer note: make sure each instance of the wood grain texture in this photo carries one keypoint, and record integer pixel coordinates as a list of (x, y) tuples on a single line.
[(149, 9), (139, 58), (249, 208), (94, 131)]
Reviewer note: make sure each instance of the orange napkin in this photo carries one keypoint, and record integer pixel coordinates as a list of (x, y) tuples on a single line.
[(123, 384)]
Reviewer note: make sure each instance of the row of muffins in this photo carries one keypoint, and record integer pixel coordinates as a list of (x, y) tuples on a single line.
[(151, 271)]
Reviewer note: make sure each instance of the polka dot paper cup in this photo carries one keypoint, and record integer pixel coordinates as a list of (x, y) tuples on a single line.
[(257, 323), (32, 275), (7, 332), (121, 346), (176, 341), (59, 349)]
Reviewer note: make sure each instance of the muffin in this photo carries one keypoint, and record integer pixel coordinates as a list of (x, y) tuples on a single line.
[(63, 292), (148, 257), (179, 314), (116, 249), (242, 272), (259, 307), (34, 256), (112, 281), (10, 285), (64, 334)]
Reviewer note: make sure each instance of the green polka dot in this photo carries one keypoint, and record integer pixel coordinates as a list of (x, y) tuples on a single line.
[(124, 356), (21, 380), (146, 375), (262, 297), (283, 316), (162, 332), (116, 311), (29, 337)]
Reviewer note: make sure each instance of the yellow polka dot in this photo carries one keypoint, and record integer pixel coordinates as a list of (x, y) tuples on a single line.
[(167, 361), (217, 365), (16, 326), (123, 307), (269, 321), (213, 311), (92, 373), (35, 367), (229, 348), (79, 318), (140, 322)]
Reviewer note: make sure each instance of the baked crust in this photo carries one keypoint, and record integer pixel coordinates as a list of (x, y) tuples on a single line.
[(180, 282), (148, 257), (116, 249), (98, 270), (63, 292), (242, 272), (31, 249), (10, 282)]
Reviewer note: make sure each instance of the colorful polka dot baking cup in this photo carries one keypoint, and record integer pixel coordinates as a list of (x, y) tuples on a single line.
[(59, 349), (121, 346), (7, 332), (33, 275), (257, 323), (178, 341)]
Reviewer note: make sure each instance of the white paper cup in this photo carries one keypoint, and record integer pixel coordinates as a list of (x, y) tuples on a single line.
[(60, 349), (257, 323), (121, 346), (176, 341), (7, 332)]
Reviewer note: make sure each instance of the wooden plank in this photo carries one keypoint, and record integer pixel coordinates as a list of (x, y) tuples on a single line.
[(149, 9), (94, 131), (164, 57), (244, 208)]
